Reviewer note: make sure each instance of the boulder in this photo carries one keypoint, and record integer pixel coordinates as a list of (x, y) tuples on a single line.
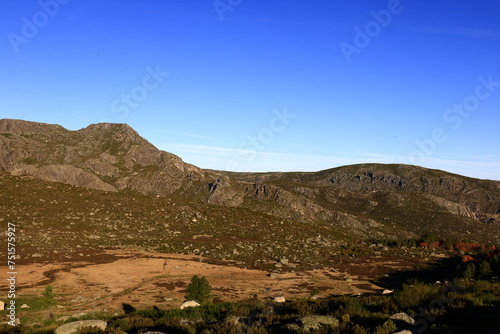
[(292, 328), (283, 261), (402, 317), (387, 292), (279, 299), (190, 303), (73, 327), (25, 306), (316, 321)]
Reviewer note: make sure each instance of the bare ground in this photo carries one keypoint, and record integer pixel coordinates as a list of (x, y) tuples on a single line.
[(107, 280)]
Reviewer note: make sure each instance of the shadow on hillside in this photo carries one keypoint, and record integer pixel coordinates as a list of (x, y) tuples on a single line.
[(440, 270)]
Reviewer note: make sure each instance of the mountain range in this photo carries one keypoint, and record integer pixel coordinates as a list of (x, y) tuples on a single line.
[(361, 201)]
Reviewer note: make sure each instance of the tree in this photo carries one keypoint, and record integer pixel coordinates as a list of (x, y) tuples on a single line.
[(470, 271), (485, 270), (199, 290), (48, 295)]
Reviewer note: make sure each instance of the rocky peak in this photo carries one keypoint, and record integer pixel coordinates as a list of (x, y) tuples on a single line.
[(17, 126)]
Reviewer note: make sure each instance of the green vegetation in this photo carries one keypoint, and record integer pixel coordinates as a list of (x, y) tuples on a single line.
[(199, 290), (48, 296), (456, 307)]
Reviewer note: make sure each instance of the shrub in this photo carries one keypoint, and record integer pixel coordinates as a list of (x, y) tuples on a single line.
[(90, 330), (199, 290), (386, 328), (470, 271), (48, 296), (484, 270), (417, 294)]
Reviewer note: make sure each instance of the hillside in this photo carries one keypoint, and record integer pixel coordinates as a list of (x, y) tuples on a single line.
[(368, 200)]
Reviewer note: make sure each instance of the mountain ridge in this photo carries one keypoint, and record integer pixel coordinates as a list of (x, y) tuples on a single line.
[(363, 199)]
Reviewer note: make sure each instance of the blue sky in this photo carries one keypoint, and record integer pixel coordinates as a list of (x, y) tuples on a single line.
[(266, 85)]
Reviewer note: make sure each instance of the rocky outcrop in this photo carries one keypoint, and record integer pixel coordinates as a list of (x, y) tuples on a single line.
[(364, 200), (102, 156), (74, 327)]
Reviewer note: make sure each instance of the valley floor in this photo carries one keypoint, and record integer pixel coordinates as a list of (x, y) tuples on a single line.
[(107, 280)]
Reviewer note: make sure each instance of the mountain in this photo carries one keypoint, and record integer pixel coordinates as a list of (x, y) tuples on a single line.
[(366, 200)]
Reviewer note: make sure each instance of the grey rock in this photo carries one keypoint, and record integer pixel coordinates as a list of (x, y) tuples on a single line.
[(280, 299), (73, 327), (316, 321), (403, 317), (190, 303)]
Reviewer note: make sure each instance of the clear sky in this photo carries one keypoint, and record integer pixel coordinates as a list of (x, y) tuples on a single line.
[(266, 85)]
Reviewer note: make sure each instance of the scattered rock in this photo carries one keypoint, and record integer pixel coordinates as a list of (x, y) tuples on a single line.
[(37, 255), (73, 327), (283, 261), (190, 303), (25, 306), (402, 317), (273, 275), (292, 328), (79, 299), (63, 318), (279, 299), (315, 321)]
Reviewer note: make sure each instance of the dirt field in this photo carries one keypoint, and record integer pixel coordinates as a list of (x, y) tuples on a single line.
[(143, 279)]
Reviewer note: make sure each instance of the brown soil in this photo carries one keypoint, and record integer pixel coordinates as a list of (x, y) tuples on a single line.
[(143, 279)]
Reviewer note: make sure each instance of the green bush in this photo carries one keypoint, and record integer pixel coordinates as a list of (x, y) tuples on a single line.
[(90, 330), (469, 271), (199, 290), (48, 296), (387, 328), (416, 294), (484, 270)]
